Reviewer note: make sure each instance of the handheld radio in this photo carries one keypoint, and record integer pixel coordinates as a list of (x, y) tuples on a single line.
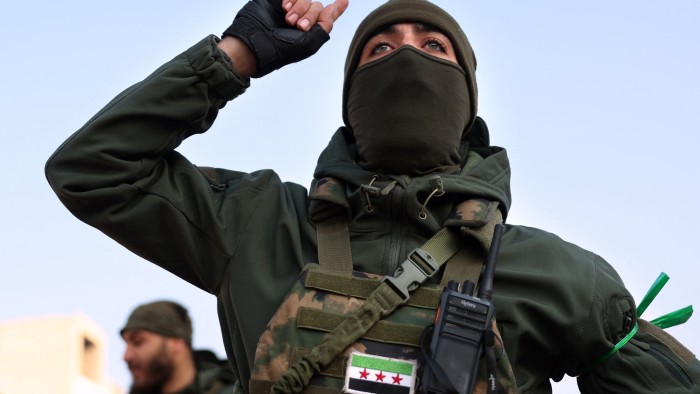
[(462, 320)]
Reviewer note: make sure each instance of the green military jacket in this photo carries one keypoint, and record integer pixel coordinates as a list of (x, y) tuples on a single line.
[(213, 376), (246, 236)]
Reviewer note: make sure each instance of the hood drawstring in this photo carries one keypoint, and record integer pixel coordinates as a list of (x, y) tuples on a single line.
[(438, 190), (369, 189), (375, 191)]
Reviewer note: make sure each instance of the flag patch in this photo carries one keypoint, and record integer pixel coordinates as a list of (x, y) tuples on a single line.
[(369, 374)]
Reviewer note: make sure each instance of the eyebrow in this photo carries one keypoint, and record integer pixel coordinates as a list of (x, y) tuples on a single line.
[(416, 27)]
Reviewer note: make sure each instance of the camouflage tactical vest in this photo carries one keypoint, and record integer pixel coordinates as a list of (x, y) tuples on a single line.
[(390, 357)]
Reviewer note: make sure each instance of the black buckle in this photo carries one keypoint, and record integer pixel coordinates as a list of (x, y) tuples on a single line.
[(416, 269)]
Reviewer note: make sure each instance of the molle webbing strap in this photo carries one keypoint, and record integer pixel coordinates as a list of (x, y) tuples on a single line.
[(335, 369), (334, 245), (330, 212), (382, 331), (353, 286), (421, 264)]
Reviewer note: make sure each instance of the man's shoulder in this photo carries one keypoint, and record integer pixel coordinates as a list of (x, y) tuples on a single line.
[(525, 237), (215, 375), (221, 180), (539, 251)]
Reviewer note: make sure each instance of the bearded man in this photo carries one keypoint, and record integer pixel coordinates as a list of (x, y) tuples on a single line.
[(159, 354)]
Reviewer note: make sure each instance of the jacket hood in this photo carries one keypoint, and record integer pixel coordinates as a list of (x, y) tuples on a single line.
[(485, 170)]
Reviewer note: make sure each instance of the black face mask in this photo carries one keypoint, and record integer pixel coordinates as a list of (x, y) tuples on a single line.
[(408, 111)]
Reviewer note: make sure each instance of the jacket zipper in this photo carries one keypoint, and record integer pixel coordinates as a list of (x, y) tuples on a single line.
[(672, 367), (398, 228)]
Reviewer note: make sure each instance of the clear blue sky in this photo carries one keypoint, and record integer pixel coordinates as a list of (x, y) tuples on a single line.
[(596, 102)]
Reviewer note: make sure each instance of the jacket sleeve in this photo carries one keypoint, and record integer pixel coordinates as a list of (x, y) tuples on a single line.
[(561, 308), (120, 173), (651, 362)]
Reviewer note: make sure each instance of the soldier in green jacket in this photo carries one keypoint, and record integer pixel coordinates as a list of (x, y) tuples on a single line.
[(159, 354), (411, 150)]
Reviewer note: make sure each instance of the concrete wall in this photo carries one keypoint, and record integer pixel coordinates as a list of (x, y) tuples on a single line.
[(54, 354)]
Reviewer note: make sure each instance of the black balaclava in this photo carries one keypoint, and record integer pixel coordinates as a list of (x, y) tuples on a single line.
[(408, 110)]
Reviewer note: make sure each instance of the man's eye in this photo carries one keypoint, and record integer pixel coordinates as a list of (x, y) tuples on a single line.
[(435, 45), (383, 47)]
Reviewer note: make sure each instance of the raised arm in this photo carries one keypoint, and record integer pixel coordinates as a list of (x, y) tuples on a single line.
[(121, 174)]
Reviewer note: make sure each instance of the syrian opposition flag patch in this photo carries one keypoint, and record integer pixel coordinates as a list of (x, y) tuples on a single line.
[(374, 374)]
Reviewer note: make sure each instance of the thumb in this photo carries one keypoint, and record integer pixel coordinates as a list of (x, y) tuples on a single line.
[(331, 13)]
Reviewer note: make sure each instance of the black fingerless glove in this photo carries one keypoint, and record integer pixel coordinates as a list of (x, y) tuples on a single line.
[(261, 26)]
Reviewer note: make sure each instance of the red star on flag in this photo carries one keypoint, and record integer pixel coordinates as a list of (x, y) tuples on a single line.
[(397, 379), (364, 374), (380, 376)]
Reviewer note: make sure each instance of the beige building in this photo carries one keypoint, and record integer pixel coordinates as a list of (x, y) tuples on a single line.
[(54, 354)]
